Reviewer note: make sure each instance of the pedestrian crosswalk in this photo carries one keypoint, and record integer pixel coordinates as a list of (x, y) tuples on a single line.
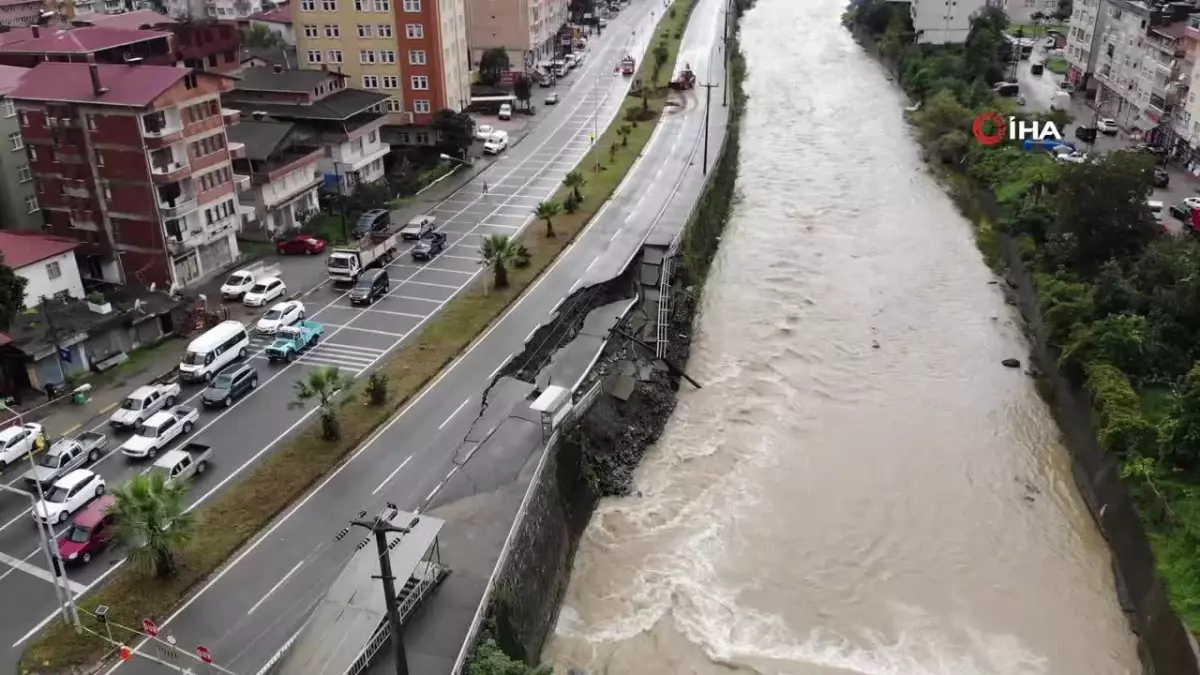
[(352, 358)]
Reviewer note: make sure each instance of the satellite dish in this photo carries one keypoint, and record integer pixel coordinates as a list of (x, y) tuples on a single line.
[(153, 285)]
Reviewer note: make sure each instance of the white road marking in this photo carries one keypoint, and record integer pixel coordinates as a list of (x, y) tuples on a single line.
[(502, 364), (34, 570), (442, 269), (590, 266), (363, 330), (459, 257), (557, 305), (375, 310), (610, 239), (411, 297), (426, 283), (437, 488), (391, 475), (531, 333), (456, 411), (275, 588)]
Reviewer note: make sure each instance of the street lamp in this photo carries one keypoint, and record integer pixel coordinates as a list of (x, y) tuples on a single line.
[(449, 158)]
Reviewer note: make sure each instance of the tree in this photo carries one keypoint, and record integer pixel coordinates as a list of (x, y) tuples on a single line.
[(152, 522), (1102, 208), (1119, 339), (262, 37), (942, 115), (493, 64), (546, 211), (323, 384), (623, 131), (12, 294), (455, 132), (522, 90), (489, 659), (499, 252), (661, 53), (575, 181)]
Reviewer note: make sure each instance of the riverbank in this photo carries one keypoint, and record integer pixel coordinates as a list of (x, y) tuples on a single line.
[(1081, 276), (597, 456)]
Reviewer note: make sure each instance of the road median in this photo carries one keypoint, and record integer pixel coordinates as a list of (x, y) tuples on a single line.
[(239, 513)]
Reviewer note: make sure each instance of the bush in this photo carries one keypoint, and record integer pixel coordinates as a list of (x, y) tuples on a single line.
[(377, 388), (570, 204), (1124, 428)]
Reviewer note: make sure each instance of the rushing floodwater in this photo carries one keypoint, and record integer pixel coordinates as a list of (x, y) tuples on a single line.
[(824, 506)]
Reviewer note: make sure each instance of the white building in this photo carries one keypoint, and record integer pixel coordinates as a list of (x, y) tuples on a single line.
[(1089, 19), (526, 28), (278, 176), (46, 262), (278, 21), (1022, 11), (358, 159)]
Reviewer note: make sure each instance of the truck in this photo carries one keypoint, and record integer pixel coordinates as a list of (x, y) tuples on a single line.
[(158, 431), (144, 402), (419, 226), (244, 279), (686, 79), (346, 263), (178, 466), (628, 65), (291, 340), (64, 456)]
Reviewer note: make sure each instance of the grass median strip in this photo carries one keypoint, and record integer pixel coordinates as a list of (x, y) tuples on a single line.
[(236, 515)]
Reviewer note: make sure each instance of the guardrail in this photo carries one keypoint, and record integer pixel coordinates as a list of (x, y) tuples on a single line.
[(664, 295)]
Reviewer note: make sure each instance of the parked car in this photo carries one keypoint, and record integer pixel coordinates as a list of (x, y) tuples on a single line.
[(1073, 157), (232, 383), (375, 220), (429, 247), (1161, 178), (497, 144), (1107, 126), (483, 131), (17, 441), (90, 533), (1183, 210), (300, 245), (552, 99), (282, 314), (505, 111), (69, 494), (264, 292), (65, 456), (1086, 134), (243, 280)]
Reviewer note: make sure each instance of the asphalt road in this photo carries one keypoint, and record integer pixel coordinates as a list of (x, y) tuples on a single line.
[(244, 613), (355, 338)]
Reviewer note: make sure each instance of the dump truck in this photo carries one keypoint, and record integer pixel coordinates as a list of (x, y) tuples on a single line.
[(347, 262), (686, 79)]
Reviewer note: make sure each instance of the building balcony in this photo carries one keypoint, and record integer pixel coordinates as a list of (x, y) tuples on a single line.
[(242, 182), (178, 207), (231, 116), (170, 172), (162, 127), (1153, 112), (237, 150)]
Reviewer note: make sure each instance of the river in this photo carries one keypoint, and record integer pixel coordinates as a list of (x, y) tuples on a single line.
[(860, 487)]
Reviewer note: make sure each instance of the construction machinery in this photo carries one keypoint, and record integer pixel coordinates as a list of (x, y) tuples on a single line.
[(686, 79)]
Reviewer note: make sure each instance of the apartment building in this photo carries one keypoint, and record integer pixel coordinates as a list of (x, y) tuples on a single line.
[(412, 51), (204, 45), (133, 161), (525, 28), (18, 13), (1022, 11), (238, 10), (282, 165), (939, 22), (18, 199), (1089, 20), (277, 21), (344, 122)]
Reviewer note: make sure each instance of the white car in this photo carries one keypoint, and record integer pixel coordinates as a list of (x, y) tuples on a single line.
[(1107, 126), (495, 145), (1073, 158), (264, 291), (283, 314), (505, 112), (16, 442), (69, 494), (237, 284), (483, 132), (552, 99)]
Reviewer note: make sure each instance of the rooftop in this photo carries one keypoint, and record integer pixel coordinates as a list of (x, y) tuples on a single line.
[(25, 248), (338, 106), (142, 19), (82, 40), (31, 332), (262, 139), (282, 14), (10, 77), (127, 85), (284, 56), (292, 81)]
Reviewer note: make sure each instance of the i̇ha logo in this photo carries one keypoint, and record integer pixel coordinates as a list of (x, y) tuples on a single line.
[(992, 128)]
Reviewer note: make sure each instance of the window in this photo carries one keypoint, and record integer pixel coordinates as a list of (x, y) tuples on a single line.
[(329, 5), (422, 138), (33, 153), (331, 30), (364, 30), (15, 142), (24, 174), (24, 119), (335, 55), (416, 57), (387, 56), (314, 56), (361, 5), (421, 106), (90, 120), (53, 270), (310, 30), (420, 82), (370, 82), (384, 30), (308, 5), (366, 56), (99, 158), (391, 82), (383, 5), (9, 107), (31, 204), (393, 105), (412, 5), (414, 31)]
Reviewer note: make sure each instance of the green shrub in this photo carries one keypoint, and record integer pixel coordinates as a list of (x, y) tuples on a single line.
[(1124, 428)]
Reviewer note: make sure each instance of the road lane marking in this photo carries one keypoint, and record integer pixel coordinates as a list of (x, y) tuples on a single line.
[(502, 364), (411, 297), (557, 305), (340, 326), (532, 333), (426, 283), (589, 267), (610, 239), (456, 410), (275, 588), (459, 257), (388, 311), (34, 570), (391, 475)]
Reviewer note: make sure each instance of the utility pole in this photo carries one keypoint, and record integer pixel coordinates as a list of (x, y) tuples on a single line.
[(725, 42), (707, 103), (380, 527)]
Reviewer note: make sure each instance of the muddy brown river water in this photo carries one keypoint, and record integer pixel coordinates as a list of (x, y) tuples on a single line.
[(824, 505)]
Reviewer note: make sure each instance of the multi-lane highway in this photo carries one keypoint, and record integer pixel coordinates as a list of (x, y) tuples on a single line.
[(244, 613), (356, 338)]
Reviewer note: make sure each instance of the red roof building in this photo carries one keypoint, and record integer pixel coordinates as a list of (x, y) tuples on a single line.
[(21, 249), (28, 47), (133, 161)]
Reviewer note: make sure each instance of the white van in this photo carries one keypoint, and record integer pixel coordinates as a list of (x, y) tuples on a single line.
[(1156, 209), (496, 143), (214, 350)]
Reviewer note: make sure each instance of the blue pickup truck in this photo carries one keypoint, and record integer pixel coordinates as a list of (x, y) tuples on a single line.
[(291, 340)]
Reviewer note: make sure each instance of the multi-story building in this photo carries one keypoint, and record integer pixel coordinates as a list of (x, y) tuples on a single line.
[(213, 9), (345, 122), (18, 199), (1188, 127), (1022, 11), (282, 165), (204, 45), (527, 29), (413, 51), (277, 21), (27, 47), (1089, 20), (937, 22), (133, 161), (17, 13)]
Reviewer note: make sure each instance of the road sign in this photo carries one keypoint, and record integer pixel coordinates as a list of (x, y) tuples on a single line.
[(205, 655), (126, 653), (149, 627)]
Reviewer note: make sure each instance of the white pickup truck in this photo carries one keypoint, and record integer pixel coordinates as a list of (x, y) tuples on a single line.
[(143, 403), (158, 431), (178, 466), (16, 442)]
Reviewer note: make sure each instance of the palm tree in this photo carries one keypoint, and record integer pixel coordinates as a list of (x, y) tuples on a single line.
[(575, 181), (498, 252), (547, 210), (323, 384), (152, 522), (623, 131)]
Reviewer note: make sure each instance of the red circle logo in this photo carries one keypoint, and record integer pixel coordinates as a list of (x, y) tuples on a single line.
[(990, 128)]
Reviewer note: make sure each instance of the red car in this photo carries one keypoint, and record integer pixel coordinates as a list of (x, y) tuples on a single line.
[(302, 244), (90, 534)]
